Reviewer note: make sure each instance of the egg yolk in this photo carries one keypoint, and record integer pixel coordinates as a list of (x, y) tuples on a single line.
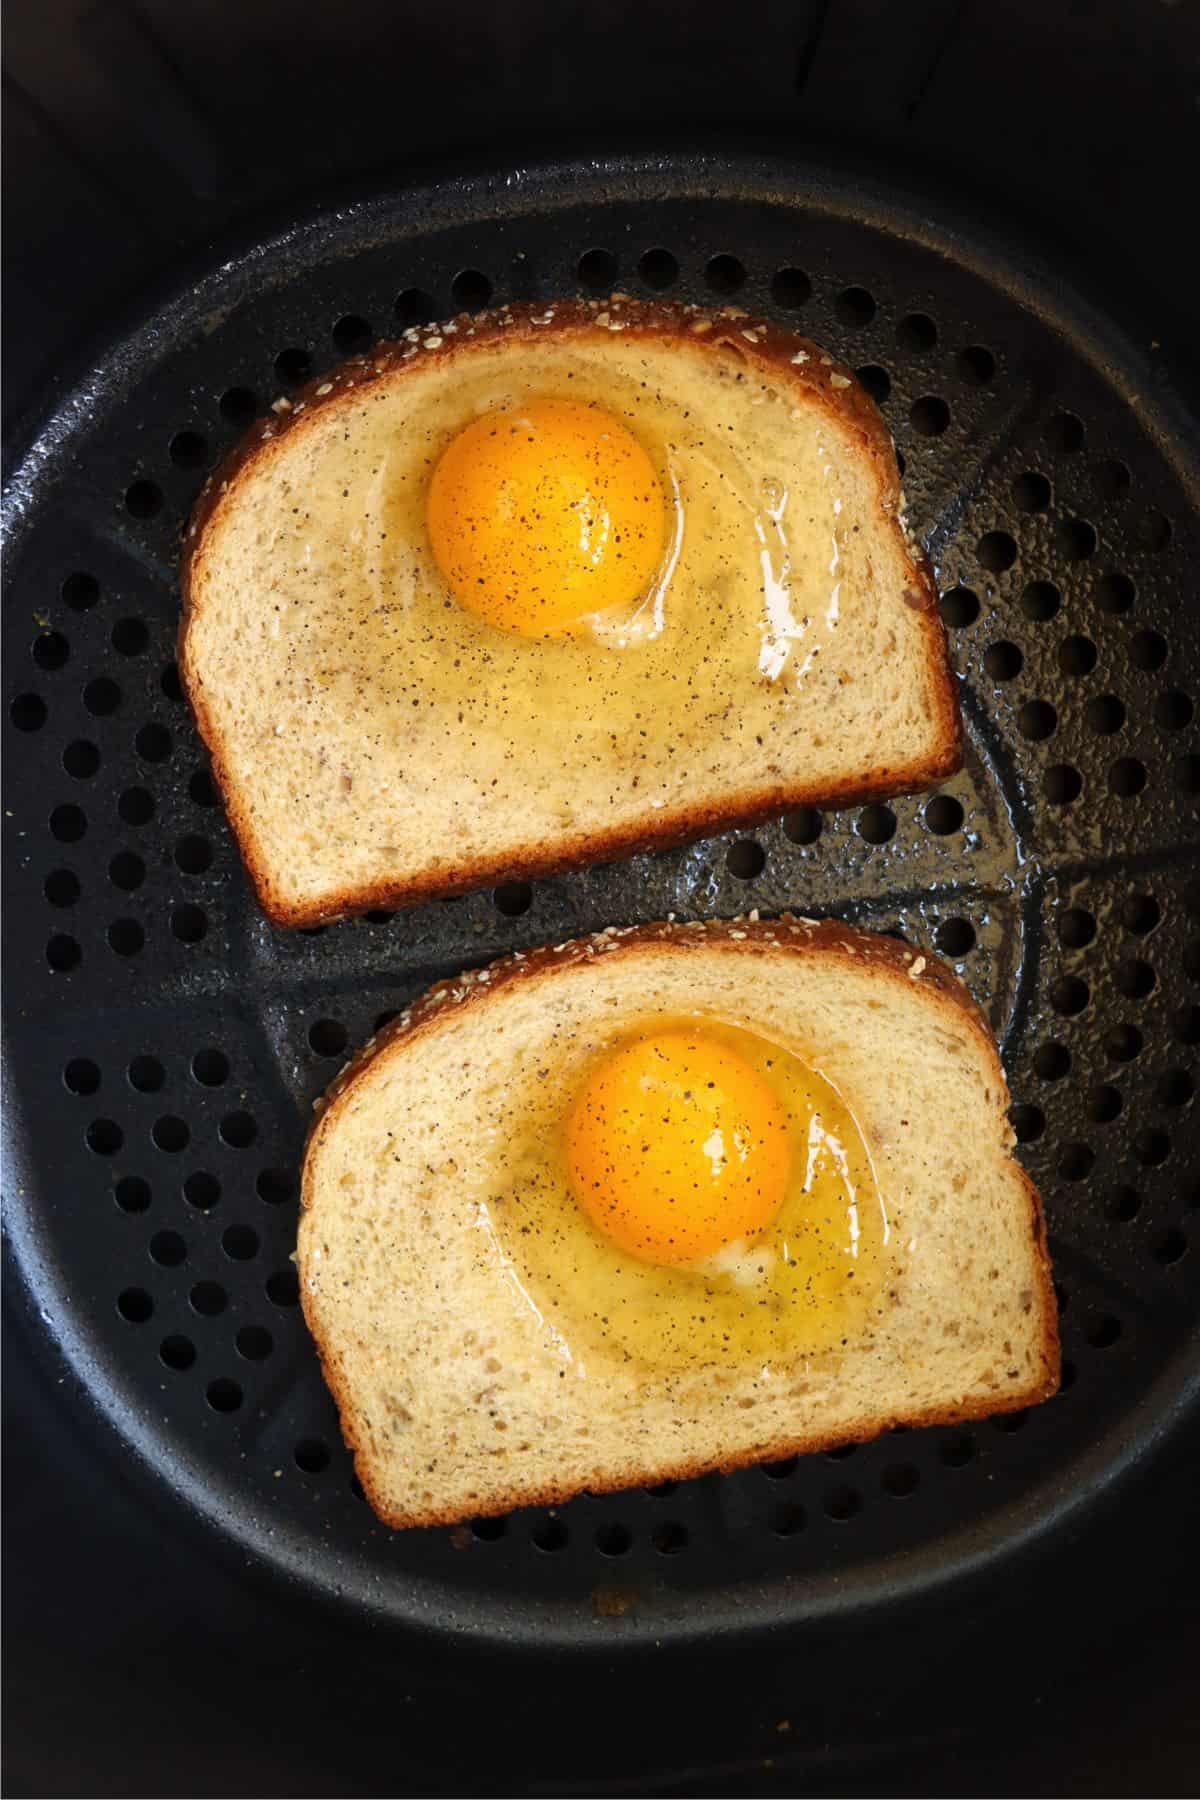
[(540, 515), (675, 1146)]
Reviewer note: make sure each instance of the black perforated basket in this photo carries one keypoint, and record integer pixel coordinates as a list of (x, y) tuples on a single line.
[(165, 1044)]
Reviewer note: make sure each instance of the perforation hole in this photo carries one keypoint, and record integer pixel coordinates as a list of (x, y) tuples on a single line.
[(1170, 1247), (136, 806), (1028, 1122), (1135, 978), (1123, 1043), (135, 1305), (351, 334), (996, 551), (1036, 720), (1152, 1147), (1104, 1104), (1069, 995), (238, 405), (790, 288), (549, 1536), (957, 1451), (1173, 710), (283, 1287), (976, 365), (61, 887), (1140, 913), (63, 953), (1125, 1203), (779, 1471), (876, 824), (254, 1342), (929, 415), (1076, 928), (1104, 1332), (1185, 774), (724, 274), (170, 683), (1040, 600), (168, 1249), (223, 1395), (132, 1194), (960, 608), (238, 1130), (614, 1540), (1153, 530), (1110, 479), (80, 591), (202, 1190), (842, 1504), (513, 898), (177, 1352), (916, 334), (1077, 656), (193, 855), (210, 1067), (275, 1186), (1003, 661), (188, 450), (1185, 1024), (876, 381), (471, 290), (171, 1134), (311, 1455), (126, 937), (1115, 593), (293, 365), (670, 1537), (1052, 1061), (101, 697), (1031, 492), (146, 1074), (68, 823), (944, 814), (189, 924), (1065, 434), (746, 859), (802, 826), (208, 1298), (1105, 714), (1062, 785), (143, 499), (239, 1242), (328, 1037), (202, 789), (153, 743), (1076, 1161), (955, 938), (1148, 650), (1127, 777), (597, 270), (413, 306), (28, 712), (658, 268), (50, 651), (1175, 1088), (855, 307), (81, 1076), (787, 1518), (900, 1480)]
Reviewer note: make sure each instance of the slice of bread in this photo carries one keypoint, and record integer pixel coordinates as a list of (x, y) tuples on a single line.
[(451, 1387), (376, 743)]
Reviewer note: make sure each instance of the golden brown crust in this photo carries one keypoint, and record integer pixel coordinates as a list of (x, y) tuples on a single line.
[(892, 959), (756, 341)]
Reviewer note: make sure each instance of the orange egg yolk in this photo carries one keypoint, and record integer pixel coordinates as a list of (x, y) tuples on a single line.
[(545, 513), (676, 1146)]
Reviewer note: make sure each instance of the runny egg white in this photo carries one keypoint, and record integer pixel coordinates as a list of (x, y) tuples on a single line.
[(703, 1198)]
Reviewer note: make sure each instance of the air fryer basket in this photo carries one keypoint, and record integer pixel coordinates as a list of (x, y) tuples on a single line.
[(165, 1044)]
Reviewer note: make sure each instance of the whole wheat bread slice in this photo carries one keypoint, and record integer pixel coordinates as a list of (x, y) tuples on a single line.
[(450, 1392), (376, 744)]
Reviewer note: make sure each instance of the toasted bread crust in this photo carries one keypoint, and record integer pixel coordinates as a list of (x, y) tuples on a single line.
[(757, 341), (893, 960)]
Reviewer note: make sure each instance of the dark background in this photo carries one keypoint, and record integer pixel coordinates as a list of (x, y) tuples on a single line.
[(140, 1656)]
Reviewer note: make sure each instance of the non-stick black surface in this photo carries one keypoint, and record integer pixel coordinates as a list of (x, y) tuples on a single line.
[(165, 1044)]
